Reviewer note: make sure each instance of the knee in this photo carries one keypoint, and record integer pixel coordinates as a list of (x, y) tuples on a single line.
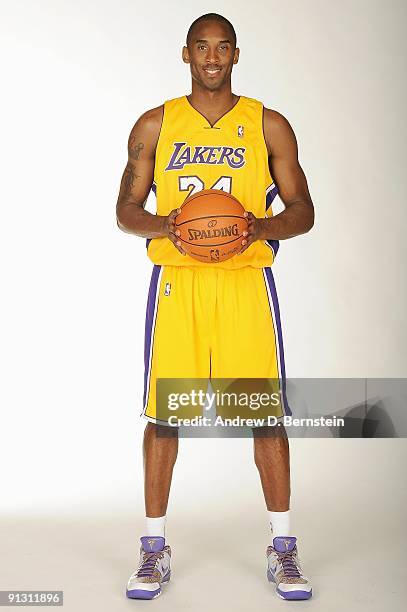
[(160, 431), (268, 443)]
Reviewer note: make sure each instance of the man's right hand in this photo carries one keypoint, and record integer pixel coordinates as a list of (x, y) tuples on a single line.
[(171, 232)]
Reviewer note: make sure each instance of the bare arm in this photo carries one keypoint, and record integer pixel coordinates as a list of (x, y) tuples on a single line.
[(137, 180), (298, 215)]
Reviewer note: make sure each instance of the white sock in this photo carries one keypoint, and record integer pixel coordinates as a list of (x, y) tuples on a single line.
[(279, 523), (155, 526)]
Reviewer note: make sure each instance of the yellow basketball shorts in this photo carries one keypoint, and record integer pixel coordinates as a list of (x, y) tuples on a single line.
[(209, 322)]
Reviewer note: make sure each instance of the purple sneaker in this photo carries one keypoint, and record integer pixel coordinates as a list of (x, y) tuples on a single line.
[(153, 570), (284, 569)]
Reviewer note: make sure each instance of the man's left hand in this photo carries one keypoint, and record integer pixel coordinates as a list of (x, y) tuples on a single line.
[(254, 231)]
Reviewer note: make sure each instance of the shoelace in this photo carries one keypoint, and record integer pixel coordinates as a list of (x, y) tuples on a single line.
[(288, 564), (148, 564)]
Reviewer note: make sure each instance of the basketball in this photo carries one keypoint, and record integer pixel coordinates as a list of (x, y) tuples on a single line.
[(211, 225)]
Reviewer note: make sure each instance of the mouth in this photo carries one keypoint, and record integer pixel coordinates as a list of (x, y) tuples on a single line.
[(212, 71)]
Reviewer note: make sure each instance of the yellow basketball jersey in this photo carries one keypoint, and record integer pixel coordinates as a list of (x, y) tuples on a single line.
[(231, 155)]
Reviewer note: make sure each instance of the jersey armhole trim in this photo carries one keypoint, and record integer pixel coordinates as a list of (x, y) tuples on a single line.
[(262, 129), (158, 141), (265, 146)]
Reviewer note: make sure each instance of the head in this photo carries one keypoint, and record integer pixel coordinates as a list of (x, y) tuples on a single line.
[(211, 51)]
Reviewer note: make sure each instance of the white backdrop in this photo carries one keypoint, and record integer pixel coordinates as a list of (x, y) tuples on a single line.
[(76, 75)]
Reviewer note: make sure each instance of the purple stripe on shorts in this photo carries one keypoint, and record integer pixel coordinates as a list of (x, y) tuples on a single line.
[(276, 308), (151, 301)]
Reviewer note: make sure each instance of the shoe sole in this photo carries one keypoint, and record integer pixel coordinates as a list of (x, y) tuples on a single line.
[(291, 595), (142, 594)]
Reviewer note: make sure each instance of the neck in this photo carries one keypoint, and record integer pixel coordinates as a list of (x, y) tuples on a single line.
[(220, 99)]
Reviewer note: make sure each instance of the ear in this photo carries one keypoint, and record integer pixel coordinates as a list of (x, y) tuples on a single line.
[(236, 55), (185, 55)]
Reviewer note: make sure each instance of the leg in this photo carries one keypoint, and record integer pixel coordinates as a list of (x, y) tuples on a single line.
[(271, 452), (176, 347), (248, 344), (272, 458), (160, 451)]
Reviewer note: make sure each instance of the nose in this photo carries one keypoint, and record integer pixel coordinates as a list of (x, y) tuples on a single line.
[(212, 56)]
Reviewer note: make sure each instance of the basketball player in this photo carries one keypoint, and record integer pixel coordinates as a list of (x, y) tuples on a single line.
[(213, 138)]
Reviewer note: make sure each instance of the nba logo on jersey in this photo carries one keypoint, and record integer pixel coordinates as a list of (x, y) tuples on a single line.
[(240, 131), (167, 289)]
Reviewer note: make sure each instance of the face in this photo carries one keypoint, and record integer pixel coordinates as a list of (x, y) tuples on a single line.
[(211, 54)]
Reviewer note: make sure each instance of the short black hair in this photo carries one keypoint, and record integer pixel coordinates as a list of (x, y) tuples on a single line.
[(212, 17)]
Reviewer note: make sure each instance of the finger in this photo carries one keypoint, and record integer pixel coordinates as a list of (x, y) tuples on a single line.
[(173, 219), (245, 244), (177, 243), (174, 238), (173, 214), (250, 223), (179, 248)]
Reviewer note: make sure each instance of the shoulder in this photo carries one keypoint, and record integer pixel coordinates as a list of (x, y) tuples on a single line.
[(276, 128), (146, 132), (153, 118), (150, 120)]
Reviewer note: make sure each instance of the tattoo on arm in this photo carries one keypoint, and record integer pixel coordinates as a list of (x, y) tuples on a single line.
[(127, 184), (135, 149)]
